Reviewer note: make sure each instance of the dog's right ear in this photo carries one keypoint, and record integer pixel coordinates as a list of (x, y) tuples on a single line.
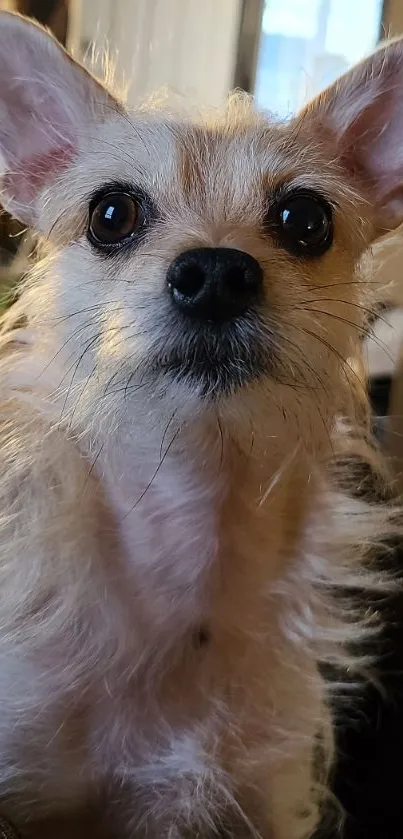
[(47, 103)]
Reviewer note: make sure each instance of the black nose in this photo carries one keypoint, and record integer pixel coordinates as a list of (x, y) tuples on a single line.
[(214, 283)]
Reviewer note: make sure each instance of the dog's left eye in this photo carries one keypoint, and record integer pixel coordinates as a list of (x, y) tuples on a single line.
[(304, 223)]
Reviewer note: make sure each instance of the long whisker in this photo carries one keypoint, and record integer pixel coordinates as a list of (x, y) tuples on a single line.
[(222, 442), (349, 283), (161, 461), (166, 431), (295, 362), (372, 312), (74, 334), (330, 349), (361, 329), (90, 344), (100, 306)]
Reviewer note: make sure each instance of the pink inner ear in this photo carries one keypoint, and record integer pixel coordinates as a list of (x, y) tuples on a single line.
[(38, 170)]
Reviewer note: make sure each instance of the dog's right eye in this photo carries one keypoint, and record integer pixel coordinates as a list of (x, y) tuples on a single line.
[(114, 219)]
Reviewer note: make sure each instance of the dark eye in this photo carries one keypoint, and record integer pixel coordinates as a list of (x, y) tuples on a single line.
[(304, 222), (114, 219)]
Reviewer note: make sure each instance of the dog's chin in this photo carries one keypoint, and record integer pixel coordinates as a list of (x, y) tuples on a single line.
[(210, 379), (217, 362)]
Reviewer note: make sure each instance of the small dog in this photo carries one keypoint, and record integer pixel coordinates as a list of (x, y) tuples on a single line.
[(173, 544)]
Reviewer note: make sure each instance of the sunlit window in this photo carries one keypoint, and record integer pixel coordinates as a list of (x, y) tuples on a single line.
[(306, 44)]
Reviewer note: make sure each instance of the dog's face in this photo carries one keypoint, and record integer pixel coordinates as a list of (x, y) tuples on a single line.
[(224, 250), (208, 259)]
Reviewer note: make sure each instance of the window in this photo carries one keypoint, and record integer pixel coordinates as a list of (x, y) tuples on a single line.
[(306, 44)]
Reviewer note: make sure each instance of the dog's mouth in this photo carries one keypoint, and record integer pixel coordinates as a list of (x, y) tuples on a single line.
[(219, 359)]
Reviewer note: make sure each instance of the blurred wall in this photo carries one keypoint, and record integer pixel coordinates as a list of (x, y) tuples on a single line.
[(188, 45)]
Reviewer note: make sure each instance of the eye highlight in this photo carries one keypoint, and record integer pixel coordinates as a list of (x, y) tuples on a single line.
[(116, 216), (304, 223)]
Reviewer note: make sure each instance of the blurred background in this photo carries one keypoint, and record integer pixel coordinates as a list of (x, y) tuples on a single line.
[(282, 51)]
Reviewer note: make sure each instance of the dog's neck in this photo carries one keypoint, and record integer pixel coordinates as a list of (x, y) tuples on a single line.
[(204, 515)]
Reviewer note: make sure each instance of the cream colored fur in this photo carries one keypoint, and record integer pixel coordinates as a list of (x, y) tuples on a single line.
[(168, 562)]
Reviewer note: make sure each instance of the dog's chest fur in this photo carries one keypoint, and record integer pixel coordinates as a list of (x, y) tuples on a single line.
[(162, 676)]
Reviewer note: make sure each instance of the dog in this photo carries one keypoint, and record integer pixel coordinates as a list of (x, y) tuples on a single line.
[(175, 381)]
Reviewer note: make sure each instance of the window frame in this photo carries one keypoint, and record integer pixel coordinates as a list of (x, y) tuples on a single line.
[(250, 34)]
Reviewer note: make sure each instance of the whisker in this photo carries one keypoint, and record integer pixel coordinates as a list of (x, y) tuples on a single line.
[(100, 306), (361, 329), (166, 431), (330, 349), (372, 312), (161, 462), (222, 442), (90, 343), (71, 337), (362, 283), (93, 464), (295, 363)]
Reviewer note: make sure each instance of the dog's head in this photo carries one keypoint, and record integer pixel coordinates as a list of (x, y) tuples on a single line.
[(209, 259)]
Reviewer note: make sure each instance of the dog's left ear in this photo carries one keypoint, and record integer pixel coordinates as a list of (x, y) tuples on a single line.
[(362, 113)]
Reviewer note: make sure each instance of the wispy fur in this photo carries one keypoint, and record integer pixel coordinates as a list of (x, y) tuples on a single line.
[(142, 511)]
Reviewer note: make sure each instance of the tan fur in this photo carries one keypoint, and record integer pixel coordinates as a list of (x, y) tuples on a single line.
[(140, 520)]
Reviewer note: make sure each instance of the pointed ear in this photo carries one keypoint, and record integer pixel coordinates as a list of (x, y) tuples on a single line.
[(363, 114), (46, 103)]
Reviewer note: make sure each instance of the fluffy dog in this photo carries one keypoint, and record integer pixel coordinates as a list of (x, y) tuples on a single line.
[(173, 546)]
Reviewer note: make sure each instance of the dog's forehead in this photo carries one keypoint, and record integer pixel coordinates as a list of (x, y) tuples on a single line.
[(165, 154), (217, 156)]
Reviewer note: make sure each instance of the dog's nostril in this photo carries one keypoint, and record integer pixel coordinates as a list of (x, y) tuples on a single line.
[(187, 281), (215, 284)]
